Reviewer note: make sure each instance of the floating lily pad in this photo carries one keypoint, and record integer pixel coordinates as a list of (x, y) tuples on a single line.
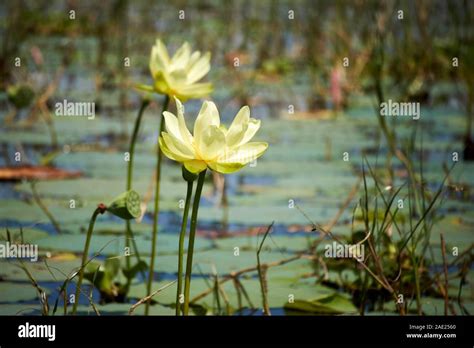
[(114, 245), (279, 293), (123, 309), (329, 304), (29, 233), (276, 243), (19, 309), (264, 215), (16, 292), (168, 295), (59, 270), (433, 306)]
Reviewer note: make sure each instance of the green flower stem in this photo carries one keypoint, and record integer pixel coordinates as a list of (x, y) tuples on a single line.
[(156, 207), (99, 210), (138, 121), (128, 231), (182, 236), (192, 235)]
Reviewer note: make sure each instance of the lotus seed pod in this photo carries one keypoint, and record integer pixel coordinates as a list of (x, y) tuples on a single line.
[(126, 205), (20, 95)]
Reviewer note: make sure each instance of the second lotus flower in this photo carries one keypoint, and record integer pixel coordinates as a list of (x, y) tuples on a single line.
[(222, 150), (178, 75)]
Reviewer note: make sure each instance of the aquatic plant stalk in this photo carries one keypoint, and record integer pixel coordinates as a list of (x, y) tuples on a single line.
[(136, 128), (446, 275), (44, 208), (128, 231), (147, 298), (192, 235), (391, 138), (262, 274), (225, 208), (182, 236), (99, 210), (156, 209)]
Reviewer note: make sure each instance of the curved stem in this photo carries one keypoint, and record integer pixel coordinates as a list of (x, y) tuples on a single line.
[(192, 235), (131, 152), (133, 141), (99, 210), (44, 207), (182, 235), (156, 207)]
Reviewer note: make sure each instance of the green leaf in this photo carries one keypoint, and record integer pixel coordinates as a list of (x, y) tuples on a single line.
[(332, 304), (134, 270)]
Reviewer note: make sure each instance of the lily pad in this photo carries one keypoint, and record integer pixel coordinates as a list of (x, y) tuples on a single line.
[(330, 304), (58, 271), (17, 292), (123, 309), (19, 309), (114, 245)]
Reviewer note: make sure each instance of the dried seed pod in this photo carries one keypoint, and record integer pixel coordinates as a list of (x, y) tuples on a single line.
[(126, 205), (20, 95)]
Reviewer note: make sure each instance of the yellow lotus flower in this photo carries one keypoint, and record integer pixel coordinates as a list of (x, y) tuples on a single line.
[(178, 76), (223, 150)]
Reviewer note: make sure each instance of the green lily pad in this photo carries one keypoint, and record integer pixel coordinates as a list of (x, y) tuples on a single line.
[(19, 309), (29, 234), (276, 244), (433, 306), (168, 295), (114, 245), (59, 269), (15, 292), (122, 309), (330, 304)]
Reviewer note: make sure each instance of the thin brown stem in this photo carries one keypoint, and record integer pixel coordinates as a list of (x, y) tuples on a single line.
[(445, 269)]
